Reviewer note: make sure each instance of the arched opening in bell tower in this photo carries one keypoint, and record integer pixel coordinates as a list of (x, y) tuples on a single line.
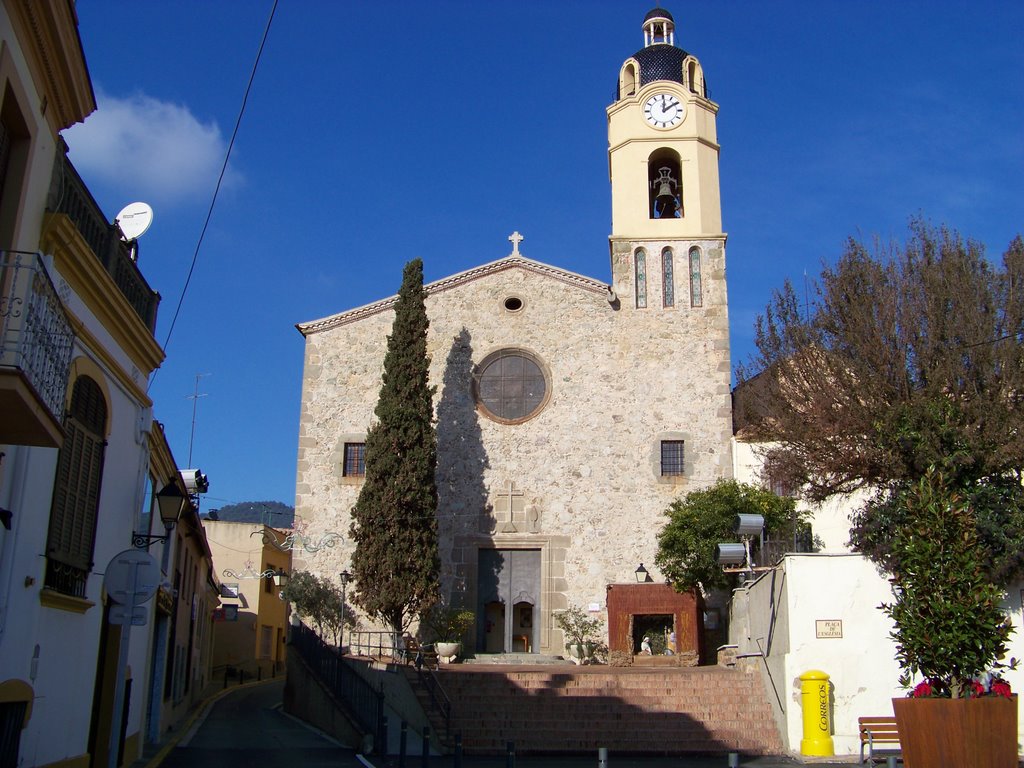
[(664, 185), (629, 79), (695, 77)]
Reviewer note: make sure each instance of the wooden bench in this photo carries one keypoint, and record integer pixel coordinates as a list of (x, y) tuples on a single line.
[(875, 731), (419, 655)]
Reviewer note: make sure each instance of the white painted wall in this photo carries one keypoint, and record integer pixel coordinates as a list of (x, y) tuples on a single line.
[(65, 674), (776, 614), (831, 520)]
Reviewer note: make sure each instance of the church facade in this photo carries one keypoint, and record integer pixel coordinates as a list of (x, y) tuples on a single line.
[(570, 410)]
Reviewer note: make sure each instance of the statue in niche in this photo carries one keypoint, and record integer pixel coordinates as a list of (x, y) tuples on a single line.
[(533, 518)]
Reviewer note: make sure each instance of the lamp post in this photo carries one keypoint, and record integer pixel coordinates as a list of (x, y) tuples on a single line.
[(281, 577), (171, 503), (642, 576), (345, 577)]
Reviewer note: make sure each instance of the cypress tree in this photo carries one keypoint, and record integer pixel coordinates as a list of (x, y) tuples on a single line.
[(394, 522)]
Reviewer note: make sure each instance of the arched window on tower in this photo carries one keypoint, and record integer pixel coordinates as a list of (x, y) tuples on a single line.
[(629, 80), (665, 185), (668, 291), (696, 299), (640, 275), (695, 77)]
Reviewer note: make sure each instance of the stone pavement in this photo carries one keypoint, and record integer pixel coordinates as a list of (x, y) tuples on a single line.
[(244, 726)]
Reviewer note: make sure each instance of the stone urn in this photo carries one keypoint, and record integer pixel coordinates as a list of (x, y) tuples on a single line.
[(581, 653), (447, 652)]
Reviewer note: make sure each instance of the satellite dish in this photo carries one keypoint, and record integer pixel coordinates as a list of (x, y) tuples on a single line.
[(134, 219)]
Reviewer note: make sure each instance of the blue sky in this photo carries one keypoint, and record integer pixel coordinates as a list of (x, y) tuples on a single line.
[(379, 132)]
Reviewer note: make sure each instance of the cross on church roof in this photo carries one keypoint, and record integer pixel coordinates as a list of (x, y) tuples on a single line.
[(515, 238)]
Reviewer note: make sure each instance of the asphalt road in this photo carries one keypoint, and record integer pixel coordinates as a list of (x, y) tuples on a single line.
[(247, 729)]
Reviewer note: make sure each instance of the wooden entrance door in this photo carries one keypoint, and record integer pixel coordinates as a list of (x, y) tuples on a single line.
[(509, 578)]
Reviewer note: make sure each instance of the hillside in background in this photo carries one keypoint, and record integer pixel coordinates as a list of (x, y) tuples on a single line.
[(273, 513)]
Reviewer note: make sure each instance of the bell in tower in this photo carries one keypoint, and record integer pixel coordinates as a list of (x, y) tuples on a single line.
[(666, 200)]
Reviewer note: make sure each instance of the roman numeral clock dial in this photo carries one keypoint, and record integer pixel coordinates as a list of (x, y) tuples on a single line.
[(663, 110)]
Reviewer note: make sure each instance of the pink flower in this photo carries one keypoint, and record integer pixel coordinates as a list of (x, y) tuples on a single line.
[(975, 689)]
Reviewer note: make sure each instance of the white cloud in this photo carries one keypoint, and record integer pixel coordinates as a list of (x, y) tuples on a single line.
[(154, 150)]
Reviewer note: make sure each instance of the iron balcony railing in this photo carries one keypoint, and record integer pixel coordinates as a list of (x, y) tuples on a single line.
[(773, 550), (35, 332), (70, 196)]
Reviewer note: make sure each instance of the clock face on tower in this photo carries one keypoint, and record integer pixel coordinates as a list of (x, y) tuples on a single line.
[(663, 110)]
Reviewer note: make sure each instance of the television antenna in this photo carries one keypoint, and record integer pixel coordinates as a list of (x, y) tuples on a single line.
[(194, 397)]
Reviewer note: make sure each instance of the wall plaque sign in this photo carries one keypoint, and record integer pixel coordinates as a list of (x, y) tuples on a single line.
[(828, 629)]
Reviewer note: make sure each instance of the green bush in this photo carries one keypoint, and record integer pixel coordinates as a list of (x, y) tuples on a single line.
[(949, 625), (577, 626)]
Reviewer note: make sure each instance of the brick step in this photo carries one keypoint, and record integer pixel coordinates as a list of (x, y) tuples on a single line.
[(612, 707), (613, 717), (647, 692), (581, 744), (592, 734), (663, 711)]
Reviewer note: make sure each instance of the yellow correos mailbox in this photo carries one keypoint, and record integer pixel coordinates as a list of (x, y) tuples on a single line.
[(817, 740)]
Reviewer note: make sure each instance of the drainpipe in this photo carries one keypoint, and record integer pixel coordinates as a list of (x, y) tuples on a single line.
[(19, 472)]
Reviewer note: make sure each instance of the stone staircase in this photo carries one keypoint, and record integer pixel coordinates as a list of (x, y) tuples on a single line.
[(634, 710)]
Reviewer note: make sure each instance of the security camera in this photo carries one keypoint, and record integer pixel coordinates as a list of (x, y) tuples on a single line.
[(195, 481), (730, 554), (748, 525)]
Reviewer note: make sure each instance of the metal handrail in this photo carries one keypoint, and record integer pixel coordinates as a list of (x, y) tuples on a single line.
[(382, 644), (438, 698), (375, 644), (365, 703)]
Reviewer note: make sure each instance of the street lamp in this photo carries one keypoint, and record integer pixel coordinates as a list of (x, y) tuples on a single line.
[(642, 576), (345, 577), (171, 502)]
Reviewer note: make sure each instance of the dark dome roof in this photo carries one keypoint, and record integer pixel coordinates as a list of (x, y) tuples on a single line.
[(660, 62), (658, 13)]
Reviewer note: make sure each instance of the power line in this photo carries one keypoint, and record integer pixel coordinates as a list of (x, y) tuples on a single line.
[(220, 180)]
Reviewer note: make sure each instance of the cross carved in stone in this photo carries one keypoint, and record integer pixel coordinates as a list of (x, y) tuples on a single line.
[(515, 238), (512, 500)]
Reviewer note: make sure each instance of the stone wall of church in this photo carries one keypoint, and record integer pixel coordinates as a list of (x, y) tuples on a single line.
[(581, 480)]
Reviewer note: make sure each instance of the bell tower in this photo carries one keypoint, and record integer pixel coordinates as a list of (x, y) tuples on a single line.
[(663, 166)]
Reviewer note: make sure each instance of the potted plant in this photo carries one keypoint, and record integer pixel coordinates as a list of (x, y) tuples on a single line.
[(448, 626), (581, 634), (949, 630)]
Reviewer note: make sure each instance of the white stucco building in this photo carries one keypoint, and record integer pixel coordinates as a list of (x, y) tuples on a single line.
[(81, 458)]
